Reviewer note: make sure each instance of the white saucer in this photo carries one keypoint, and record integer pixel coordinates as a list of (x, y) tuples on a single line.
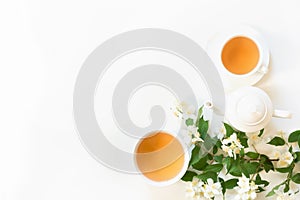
[(214, 48)]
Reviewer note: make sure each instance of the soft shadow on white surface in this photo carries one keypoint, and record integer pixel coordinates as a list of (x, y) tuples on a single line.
[(44, 43)]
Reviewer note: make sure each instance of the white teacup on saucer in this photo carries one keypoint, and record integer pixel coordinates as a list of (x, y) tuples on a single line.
[(159, 162), (230, 80)]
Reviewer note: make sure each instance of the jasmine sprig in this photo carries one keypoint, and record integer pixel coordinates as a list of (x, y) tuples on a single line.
[(228, 161)]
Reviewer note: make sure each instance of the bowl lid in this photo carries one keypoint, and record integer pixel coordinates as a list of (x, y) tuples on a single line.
[(248, 109)]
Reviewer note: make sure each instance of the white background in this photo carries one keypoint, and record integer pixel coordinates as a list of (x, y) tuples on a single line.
[(44, 43)]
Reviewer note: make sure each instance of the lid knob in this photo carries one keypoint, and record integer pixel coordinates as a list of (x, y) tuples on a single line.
[(251, 110)]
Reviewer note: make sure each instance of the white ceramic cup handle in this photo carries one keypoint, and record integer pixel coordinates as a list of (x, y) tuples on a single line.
[(263, 69), (282, 114), (210, 105)]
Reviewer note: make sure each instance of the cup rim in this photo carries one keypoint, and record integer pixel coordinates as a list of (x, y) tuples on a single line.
[(182, 171), (260, 49)]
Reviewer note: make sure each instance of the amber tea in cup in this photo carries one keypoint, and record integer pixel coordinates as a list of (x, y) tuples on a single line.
[(161, 157), (240, 55)]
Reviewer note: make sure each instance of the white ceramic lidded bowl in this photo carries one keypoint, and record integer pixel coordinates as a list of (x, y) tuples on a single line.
[(250, 109)]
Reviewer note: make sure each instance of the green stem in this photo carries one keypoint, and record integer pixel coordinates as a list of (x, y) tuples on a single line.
[(256, 172), (256, 159), (290, 174), (254, 148)]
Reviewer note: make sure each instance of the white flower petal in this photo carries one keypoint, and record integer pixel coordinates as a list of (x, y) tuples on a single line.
[(233, 137), (276, 154), (191, 109)]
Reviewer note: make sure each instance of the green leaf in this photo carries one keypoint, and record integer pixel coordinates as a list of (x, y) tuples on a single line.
[(201, 164), (242, 152), (277, 141), (214, 168), (291, 149), (206, 175), (229, 130), (188, 176), (252, 155), (284, 169), (218, 158), (258, 178), (266, 163), (259, 181), (296, 178), (286, 188), (261, 132), (294, 136), (235, 169), (297, 155), (299, 142), (228, 162), (189, 122), (222, 182), (244, 171), (260, 189), (202, 127), (195, 155), (209, 142), (251, 167), (263, 182), (230, 184), (218, 144), (200, 111), (215, 149), (210, 157), (243, 138), (272, 192)]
